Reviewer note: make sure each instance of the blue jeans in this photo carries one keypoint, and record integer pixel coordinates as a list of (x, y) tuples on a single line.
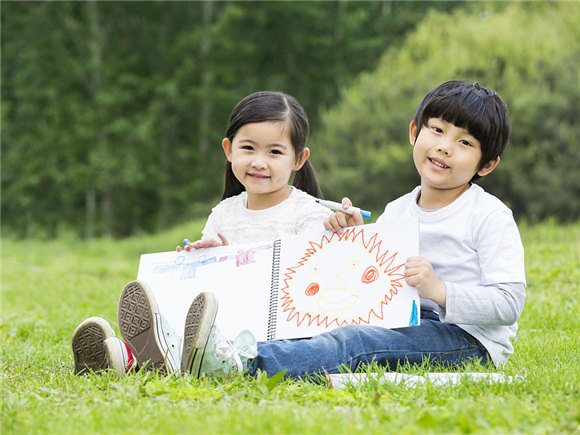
[(353, 346)]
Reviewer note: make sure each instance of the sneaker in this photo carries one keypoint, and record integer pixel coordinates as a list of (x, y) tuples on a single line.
[(198, 324), (96, 348), (119, 356), (206, 350), (149, 336)]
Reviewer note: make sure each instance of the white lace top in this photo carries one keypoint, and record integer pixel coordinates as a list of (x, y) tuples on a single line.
[(298, 213)]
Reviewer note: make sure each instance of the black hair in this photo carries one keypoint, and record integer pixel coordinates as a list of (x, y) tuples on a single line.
[(479, 110), (273, 106)]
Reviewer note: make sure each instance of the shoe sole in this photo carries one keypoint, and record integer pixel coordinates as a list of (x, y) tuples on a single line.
[(140, 325), (88, 347), (198, 323), (117, 355)]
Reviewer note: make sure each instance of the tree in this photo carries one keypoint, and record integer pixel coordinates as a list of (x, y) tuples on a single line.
[(509, 47)]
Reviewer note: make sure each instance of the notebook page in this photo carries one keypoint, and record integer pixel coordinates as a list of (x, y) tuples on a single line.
[(329, 280), (239, 275)]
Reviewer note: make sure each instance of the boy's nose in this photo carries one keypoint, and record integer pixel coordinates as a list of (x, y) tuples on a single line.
[(443, 148)]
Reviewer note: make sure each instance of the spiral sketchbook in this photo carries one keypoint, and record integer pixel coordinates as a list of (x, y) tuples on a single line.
[(297, 286)]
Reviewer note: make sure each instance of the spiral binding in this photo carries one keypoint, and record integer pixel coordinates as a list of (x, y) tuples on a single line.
[(273, 311)]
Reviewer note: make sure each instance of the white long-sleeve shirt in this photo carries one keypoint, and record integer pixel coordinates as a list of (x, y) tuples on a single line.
[(475, 248)]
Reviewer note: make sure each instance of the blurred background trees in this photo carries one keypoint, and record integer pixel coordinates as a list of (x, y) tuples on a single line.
[(113, 112)]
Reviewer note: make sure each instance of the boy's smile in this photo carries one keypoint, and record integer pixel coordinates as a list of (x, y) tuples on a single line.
[(447, 157)]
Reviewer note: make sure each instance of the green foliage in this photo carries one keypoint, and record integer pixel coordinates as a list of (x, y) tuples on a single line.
[(48, 288), (511, 48), (113, 112)]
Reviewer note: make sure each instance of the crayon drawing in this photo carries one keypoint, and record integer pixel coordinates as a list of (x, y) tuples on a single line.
[(341, 280)]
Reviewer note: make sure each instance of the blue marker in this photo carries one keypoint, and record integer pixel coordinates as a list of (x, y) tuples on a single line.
[(186, 242), (337, 206)]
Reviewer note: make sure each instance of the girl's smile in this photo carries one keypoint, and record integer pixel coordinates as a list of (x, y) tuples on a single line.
[(263, 158)]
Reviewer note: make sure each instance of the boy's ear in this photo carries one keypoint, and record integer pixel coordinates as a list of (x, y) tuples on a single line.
[(488, 167), (301, 159), (227, 146), (413, 131)]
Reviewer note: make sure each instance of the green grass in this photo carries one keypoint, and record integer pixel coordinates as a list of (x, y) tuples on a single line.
[(49, 287)]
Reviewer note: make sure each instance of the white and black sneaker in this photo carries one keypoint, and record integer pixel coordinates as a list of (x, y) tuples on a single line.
[(96, 348), (149, 336)]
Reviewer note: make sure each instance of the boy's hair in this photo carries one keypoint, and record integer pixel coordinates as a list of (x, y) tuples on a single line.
[(273, 106), (467, 105)]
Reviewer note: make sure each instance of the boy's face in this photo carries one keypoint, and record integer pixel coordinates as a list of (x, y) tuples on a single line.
[(446, 156)]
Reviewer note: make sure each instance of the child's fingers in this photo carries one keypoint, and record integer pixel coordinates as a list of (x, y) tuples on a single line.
[(331, 224), (357, 218), (223, 239), (346, 203)]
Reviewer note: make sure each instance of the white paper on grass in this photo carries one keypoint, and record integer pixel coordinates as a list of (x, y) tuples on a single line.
[(438, 379)]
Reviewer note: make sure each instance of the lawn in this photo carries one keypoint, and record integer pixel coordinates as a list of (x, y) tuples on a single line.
[(48, 287)]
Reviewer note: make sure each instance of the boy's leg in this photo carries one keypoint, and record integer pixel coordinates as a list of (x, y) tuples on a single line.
[(353, 346), (205, 350), (146, 331)]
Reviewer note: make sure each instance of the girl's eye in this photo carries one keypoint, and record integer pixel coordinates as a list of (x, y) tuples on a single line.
[(436, 129), (276, 152), (466, 143), (247, 147)]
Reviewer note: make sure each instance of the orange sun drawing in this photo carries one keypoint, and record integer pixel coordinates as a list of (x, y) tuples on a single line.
[(332, 286)]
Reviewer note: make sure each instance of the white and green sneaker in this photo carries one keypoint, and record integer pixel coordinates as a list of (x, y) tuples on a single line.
[(205, 350)]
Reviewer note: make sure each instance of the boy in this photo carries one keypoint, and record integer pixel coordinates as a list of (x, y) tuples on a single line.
[(470, 272)]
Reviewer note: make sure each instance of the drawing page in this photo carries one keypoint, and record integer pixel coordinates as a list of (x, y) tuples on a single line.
[(328, 280), (239, 275)]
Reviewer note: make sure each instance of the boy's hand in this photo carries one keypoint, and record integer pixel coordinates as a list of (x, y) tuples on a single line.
[(340, 220), (205, 243), (420, 274)]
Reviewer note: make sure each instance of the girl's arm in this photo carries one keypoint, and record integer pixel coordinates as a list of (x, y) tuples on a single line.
[(205, 243)]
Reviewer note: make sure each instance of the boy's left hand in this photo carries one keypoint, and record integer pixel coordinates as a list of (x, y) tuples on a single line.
[(420, 274)]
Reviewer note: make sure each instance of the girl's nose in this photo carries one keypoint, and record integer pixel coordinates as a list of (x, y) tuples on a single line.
[(258, 163)]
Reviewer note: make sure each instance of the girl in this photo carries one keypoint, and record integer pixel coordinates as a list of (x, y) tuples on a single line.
[(265, 142), (265, 145)]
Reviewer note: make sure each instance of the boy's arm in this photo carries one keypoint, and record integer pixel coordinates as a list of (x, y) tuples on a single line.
[(497, 304), (498, 298)]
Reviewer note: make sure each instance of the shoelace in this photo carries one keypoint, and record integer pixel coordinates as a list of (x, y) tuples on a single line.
[(226, 349)]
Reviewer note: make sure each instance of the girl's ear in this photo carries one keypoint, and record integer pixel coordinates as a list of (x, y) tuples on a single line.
[(227, 146), (413, 132), (301, 158), (488, 167)]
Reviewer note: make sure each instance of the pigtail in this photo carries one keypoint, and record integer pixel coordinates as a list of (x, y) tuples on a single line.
[(233, 186), (305, 179)]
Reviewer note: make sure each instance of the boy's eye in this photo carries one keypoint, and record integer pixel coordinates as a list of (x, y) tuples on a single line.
[(276, 152), (247, 147), (437, 129), (466, 143)]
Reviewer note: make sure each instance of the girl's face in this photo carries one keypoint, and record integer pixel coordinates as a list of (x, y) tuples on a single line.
[(263, 158)]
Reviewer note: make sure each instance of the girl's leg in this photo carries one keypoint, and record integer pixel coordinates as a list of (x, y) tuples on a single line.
[(353, 346)]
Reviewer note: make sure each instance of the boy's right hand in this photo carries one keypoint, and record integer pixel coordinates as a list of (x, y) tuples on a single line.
[(205, 243), (340, 220)]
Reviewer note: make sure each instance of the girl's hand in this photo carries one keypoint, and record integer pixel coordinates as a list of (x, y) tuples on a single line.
[(420, 274), (340, 220), (205, 243)]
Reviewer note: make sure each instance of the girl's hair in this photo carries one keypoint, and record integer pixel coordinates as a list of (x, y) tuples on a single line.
[(479, 110), (273, 106)]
